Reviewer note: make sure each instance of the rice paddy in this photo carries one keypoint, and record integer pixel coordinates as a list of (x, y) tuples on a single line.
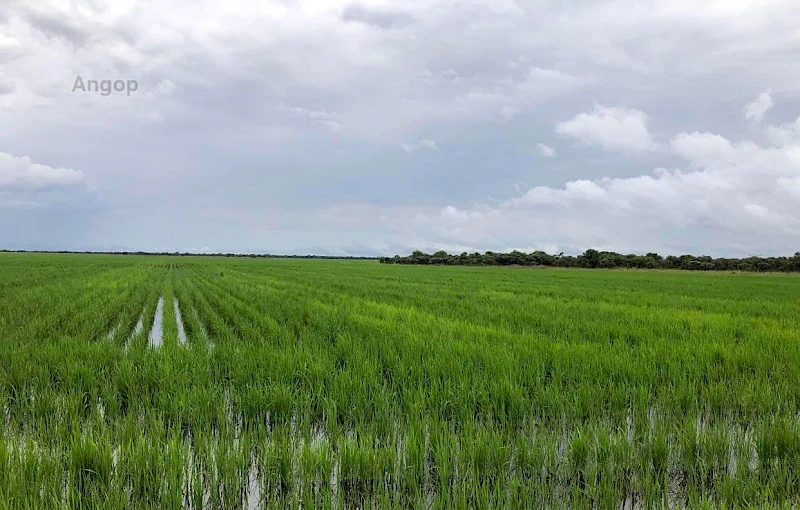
[(190, 382)]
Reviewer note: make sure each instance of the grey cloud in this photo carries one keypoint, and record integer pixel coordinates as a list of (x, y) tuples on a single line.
[(379, 17), (9, 49), (485, 79), (53, 25)]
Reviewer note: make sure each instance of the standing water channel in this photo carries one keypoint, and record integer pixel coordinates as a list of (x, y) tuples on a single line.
[(157, 332), (179, 321)]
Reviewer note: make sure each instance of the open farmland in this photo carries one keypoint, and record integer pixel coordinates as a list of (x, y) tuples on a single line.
[(341, 384)]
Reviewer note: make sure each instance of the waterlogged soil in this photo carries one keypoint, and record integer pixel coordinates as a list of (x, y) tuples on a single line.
[(257, 486)]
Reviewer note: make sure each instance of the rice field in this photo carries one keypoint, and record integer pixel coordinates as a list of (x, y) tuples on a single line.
[(187, 382)]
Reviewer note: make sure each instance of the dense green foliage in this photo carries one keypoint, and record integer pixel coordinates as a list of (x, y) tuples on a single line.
[(353, 384), (593, 259)]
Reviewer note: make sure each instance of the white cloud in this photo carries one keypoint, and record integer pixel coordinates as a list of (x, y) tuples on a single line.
[(22, 173), (785, 134), (755, 111), (28, 185), (790, 186), (508, 112), (422, 144), (573, 192), (546, 150), (703, 149), (454, 213), (324, 118), (610, 128), (163, 88)]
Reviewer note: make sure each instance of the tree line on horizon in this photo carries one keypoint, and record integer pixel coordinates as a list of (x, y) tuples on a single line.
[(594, 259), (191, 254)]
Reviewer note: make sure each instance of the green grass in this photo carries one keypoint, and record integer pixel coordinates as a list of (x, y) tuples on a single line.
[(343, 384)]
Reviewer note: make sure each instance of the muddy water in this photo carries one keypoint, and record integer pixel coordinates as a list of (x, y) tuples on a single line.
[(136, 331), (157, 332), (113, 332), (179, 320), (253, 496), (139, 326)]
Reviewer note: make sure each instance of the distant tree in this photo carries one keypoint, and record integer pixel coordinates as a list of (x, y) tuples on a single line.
[(440, 258), (795, 262), (418, 257), (607, 262), (540, 258), (590, 258)]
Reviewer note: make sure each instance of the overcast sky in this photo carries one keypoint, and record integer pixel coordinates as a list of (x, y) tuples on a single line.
[(371, 128)]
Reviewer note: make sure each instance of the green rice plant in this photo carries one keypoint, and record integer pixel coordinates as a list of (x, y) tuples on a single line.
[(341, 383), (91, 471)]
